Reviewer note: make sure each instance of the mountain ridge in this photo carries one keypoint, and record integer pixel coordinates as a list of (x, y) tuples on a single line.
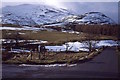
[(89, 18), (31, 14)]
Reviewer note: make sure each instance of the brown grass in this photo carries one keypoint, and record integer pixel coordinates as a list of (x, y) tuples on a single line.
[(51, 58), (51, 37), (47, 58)]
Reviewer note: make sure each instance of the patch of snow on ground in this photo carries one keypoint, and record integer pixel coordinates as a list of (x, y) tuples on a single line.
[(72, 46), (73, 32), (31, 41), (24, 28), (50, 65), (55, 48), (39, 42), (79, 46), (19, 51), (106, 43)]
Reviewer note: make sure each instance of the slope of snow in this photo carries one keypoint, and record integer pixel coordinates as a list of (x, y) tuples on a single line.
[(89, 18), (28, 14)]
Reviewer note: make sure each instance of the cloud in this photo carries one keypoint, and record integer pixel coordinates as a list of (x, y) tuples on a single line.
[(61, 0)]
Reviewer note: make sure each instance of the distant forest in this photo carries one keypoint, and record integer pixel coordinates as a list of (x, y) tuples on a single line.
[(110, 30)]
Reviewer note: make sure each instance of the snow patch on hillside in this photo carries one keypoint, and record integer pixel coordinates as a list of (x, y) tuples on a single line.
[(89, 18), (28, 14)]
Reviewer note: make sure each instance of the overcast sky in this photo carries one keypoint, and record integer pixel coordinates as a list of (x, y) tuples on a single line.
[(108, 7), (61, 0)]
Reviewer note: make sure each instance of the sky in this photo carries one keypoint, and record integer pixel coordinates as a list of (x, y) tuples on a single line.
[(108, 7), (61, 0)]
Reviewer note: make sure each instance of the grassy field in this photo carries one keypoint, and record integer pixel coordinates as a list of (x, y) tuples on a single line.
[(49, 58), (52, 37)]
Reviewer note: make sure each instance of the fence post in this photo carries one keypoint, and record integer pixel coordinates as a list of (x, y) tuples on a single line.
[(11, 48), (39, 51), (39, 55), (23, 50), (31, 53)]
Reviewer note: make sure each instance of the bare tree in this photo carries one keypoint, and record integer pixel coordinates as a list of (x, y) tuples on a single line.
[(67, 46), (91, 41)]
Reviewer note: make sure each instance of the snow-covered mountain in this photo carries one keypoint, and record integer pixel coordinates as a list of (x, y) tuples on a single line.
[(29, 14), (89, 18)]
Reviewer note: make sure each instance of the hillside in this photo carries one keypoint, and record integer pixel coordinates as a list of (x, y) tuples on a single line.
[(89, 18), (29, 14)]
